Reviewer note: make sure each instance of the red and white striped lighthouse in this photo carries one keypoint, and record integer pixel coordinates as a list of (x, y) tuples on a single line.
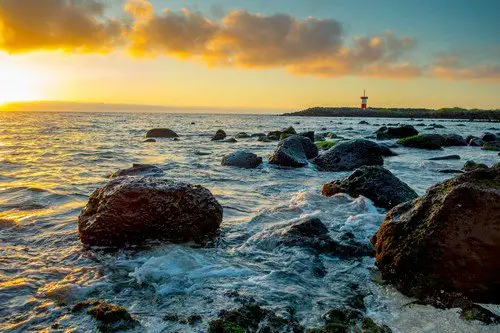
[(364, 100)]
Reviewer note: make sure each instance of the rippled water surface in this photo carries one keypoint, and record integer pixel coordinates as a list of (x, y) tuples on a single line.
[(51, 162)]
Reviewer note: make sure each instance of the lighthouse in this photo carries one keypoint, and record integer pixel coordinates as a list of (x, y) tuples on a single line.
[(364, 100)]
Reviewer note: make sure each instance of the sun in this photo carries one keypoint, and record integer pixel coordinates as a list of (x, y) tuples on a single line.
[(19, 85)]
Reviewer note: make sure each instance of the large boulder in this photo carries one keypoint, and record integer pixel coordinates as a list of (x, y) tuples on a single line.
[(489, 137), (161, 133), (219, 135), (423, 141), (446, 241), (308, 134), (350, 155), (399, 132), (242, 159), (131, 211), (453, 140), (375, 183), (138, 170), (294, 151)]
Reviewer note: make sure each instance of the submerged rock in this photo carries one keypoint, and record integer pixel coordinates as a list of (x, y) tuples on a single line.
[(294, 151), (219, 135), (471, 165), (387, 151), (399, 132), (350, 155), (375, 183), (161, 133), (149, 140), (131, 211), (492, 145), (489, 137), (138, 170), (230, 140), (423, 141), (444, 158), (446, 241), (453, 140), (111, 318), (242, 159), (474, 141), (242, 135)]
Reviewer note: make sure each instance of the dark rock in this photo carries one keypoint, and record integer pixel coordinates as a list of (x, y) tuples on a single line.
[(230, 140), (263, 139), (294, 151), (161, 133), (242, 135), (149, 140), (192, 123), (289, 130), (492, 145), (348, 129), (399, 132), (476, 312), (456, 140), (131, 211), (471, 165), (342, 320), (319, 137), (375, 183), (489, 137), (219, 135), (350, 155), (447, 157), (420, 125), (274, 136), (308, 134), (111, 318), (386, 151), (325, 145), (362, 122), (450, 171), (138, 170), (461, 125), (242, 159), (446, 241), (258, 135), (475, 142), (436, 125), (423, 141), (331, 135)]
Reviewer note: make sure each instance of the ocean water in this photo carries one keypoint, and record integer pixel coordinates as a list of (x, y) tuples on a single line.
[(51, 162)]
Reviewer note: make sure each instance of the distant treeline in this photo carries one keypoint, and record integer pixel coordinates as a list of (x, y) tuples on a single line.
[(445, 113)]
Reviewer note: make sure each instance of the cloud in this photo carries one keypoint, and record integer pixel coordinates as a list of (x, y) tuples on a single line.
[(453, 67), (67, 25)]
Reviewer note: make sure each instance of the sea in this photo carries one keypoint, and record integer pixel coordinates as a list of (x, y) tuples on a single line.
[(51, 162)]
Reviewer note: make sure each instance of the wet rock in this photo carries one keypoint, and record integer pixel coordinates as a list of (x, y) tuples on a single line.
[(325, 145), (472, 311), (149, 140), (242, 135), (257, 135), (350, 155), (263, 139), (362, 122), (450, 171), (471, 165), (111, 318), (492, 145), (252, 318), (399, 132), (461, 125), (308, 134), (242, 159), (230, 140), (132, 211), (319, 137), (446, 241), (161, 133), (386, 151), (219, 135), (313, 234), (475, 142), (436, 125), (489, 137), (348, 128), (420, 125), (455, 140), (274, 136), (294, 151), (444, 158), (138, 170), (289, 130), (375, 183), (331, 136), (342, 320), (423, 141)]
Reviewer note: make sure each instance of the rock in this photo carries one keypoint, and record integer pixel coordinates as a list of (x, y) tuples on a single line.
[(319, 137), (294, 151), (132, 211), (308, 134), (375, 183), (399, 132), (257, 135), (331, 135), (489, 137), (325, 145), (386, 151), (436, 125), (342, 320), (475, 142), (242, 135), (242, 159), (274, 136), (446, 241), (289, 130), (350, 155), (423, 141), (447, 157), (450, 140), (219, 135), (193, 123), (161, 133), (252, 318), (461, 125), (476, 312), (263, 139), (230, 140), (471, 165), (450, 171), (492, 145), (285, 135), (111, 318), (138, 170), (149, 140), (362, 122), (348, 129)]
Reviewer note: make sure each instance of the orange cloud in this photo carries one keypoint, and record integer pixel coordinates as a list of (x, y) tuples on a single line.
[(451, 67), (67, 25)]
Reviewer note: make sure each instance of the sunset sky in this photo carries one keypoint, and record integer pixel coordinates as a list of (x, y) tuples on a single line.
[(260, 54)]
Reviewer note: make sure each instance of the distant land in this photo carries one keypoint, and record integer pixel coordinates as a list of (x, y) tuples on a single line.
[(444, 113)]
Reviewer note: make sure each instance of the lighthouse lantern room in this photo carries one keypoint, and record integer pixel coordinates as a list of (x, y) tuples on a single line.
[(364, 100)]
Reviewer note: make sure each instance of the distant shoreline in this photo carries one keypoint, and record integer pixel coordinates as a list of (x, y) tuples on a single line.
[(446, 113)]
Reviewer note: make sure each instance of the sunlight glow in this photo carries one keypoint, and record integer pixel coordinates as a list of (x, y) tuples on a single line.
[(18, 84)]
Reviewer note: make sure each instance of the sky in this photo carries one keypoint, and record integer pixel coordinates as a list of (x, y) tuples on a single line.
[(252, 54)]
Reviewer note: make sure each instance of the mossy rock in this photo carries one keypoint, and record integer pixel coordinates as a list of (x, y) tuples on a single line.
[(325, 145), (111, 318), (423, 141), (493, 146), (341, 320), (285, 135), (477, 312)]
